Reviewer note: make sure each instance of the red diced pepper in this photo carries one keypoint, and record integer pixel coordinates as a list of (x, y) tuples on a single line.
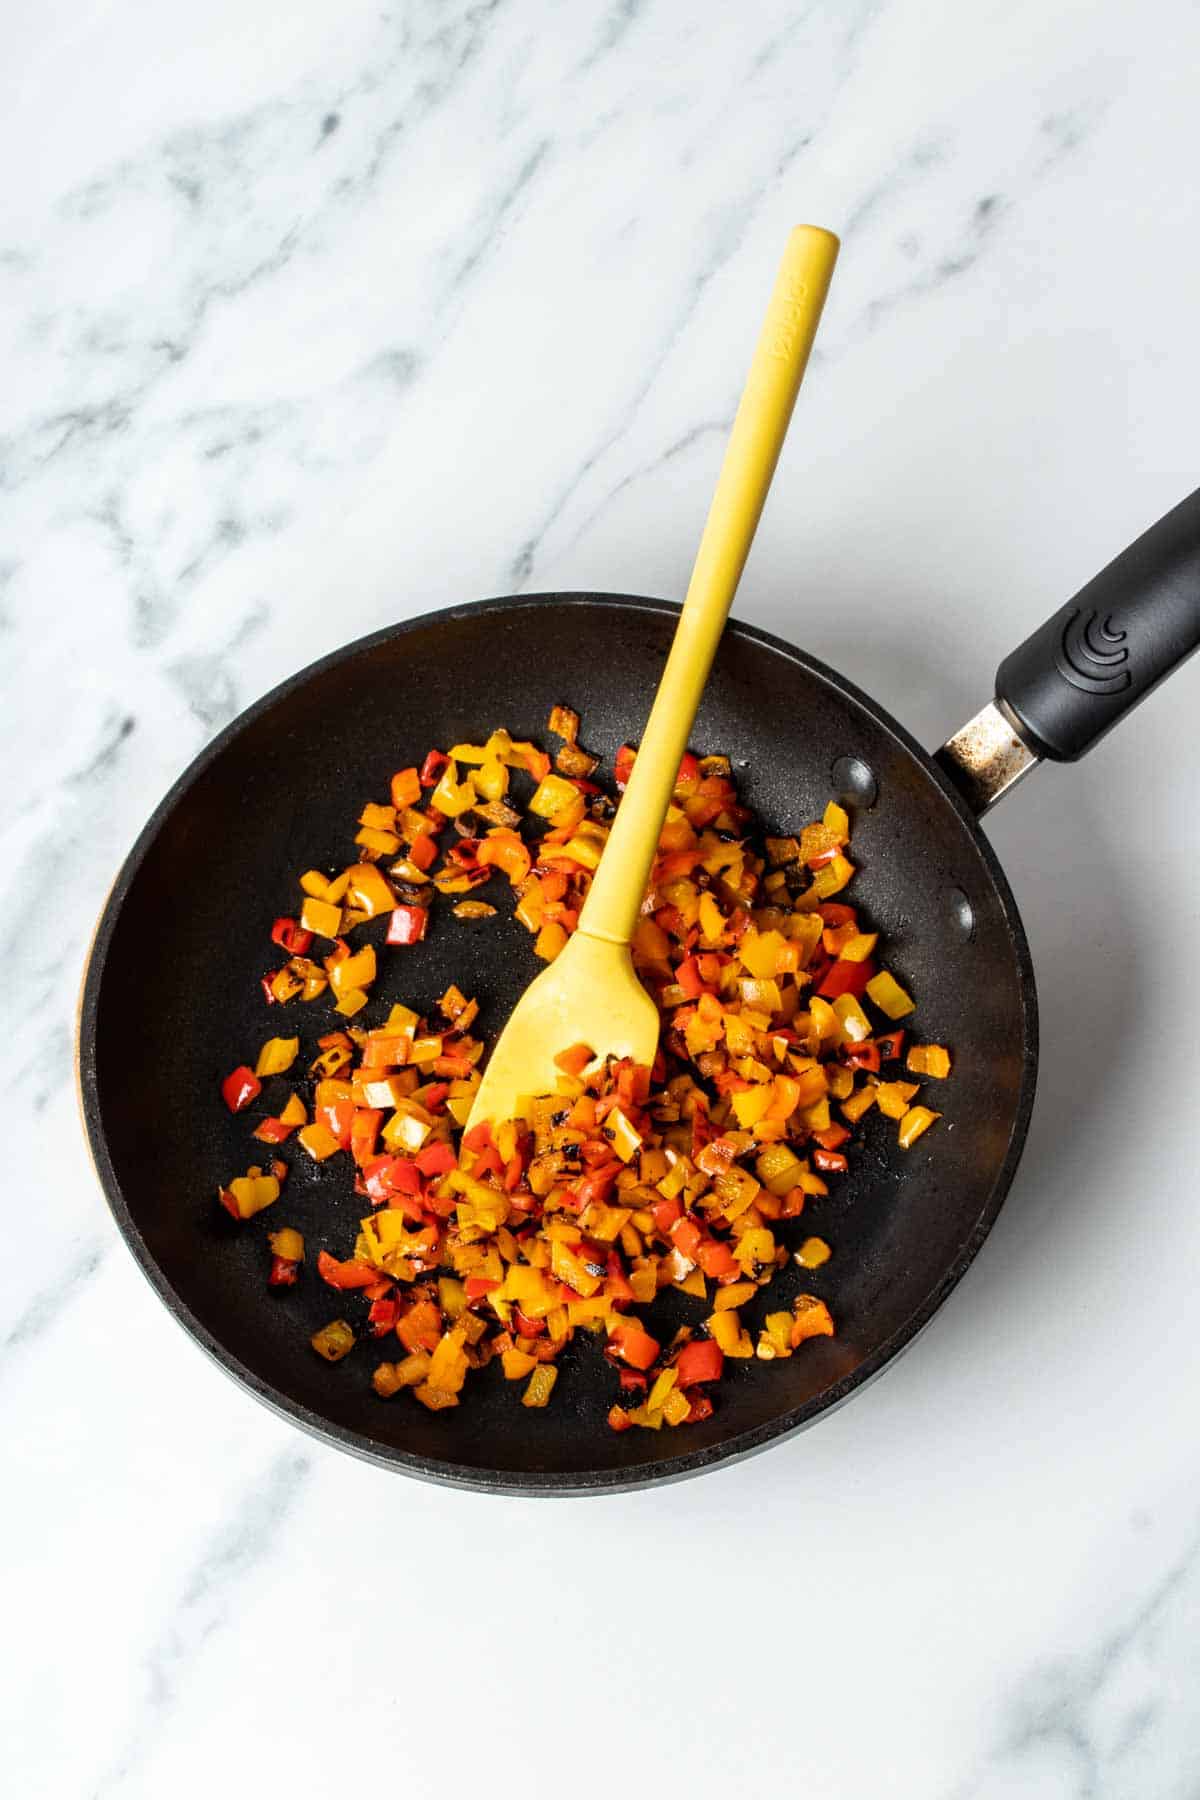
[(364, 1129), (862, 1056), (717, 1261), (383, 1316), (514, 1173), (479, 1285), (436, 1159), (338, 1117), (835, 913), (688, 778), (287, 933), (633, 1381), (597, 1184), (830, 1162), (891, 1043), (273, 1131), (701, 1360), (617, 1282), (633, 1345), (686, 1235), (431, 768), (423, 850), (527, 1327), (623, 765), (408, 924), (240, 1088), (846, 978), (345, 1275), (479, 1137), (832, 1138), (702, 1408), (264, 982), (689, 978), (284, 1270), (665, 1214)]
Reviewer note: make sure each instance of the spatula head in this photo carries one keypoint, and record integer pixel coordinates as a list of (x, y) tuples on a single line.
[(588, 995)]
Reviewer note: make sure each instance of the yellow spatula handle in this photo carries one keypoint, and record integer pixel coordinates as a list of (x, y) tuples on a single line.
[(611, 909)]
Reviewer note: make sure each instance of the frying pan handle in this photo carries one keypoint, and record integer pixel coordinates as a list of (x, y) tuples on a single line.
[(1092, 662)]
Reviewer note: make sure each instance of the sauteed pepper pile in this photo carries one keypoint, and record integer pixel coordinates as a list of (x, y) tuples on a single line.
[(780, 1031)]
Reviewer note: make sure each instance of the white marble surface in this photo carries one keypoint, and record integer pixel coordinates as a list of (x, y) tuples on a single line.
[(315, 316)]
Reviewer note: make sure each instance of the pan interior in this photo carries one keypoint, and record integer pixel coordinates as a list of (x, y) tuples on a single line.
[(173, 1003)]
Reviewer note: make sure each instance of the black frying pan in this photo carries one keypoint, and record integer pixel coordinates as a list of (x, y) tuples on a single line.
[(171, 999)]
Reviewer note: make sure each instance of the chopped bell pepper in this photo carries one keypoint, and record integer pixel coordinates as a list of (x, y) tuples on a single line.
[(240, 1088)]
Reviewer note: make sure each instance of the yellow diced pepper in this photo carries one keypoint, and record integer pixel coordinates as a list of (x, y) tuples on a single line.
[(889, 996), (676, 1407), (541, 1385), (351, 1002), (751, 1105), (333, 1341), (252, 1192), (858, 1103), (810, 1318), (491, 780), (712, 922), (314, 883), (368, 890), (321, 917), (452, 796), (644, 1283), (449, 1366), (755, 1248), (832, 877), (517, 1364), (665, 1381), (435, 1398), (893, 1097), (553, 797), (277, 1056), (916, 1120), (734, 1295), (854, 1027), (288, 1243), (776, 1168), (725, 1329), (775, 1339), (813, 1252), (858, 948), (929, 1059), (620, 1132), (841, 1081), (550, 940), (319, 1141), (378, 842), (294, 1113), (357, 971)]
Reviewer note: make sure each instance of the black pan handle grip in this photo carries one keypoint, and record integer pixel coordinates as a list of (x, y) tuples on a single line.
[(1110, 646)]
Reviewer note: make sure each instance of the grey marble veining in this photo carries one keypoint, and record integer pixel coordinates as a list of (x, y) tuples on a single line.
[(310, 321)]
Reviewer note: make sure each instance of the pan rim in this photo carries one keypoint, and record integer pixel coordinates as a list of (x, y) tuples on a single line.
[(541, 1482)]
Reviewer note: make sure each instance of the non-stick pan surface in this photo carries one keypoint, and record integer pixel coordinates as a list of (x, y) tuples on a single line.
[(172, 1002)]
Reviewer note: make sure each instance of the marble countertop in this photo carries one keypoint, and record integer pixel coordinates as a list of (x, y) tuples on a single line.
[(320, 316)]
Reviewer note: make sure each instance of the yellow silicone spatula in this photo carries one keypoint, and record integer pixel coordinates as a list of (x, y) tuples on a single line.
[(590, 993)]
